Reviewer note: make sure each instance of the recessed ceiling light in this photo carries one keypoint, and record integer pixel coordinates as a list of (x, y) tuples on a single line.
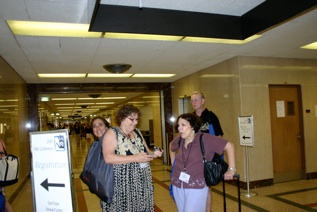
[(63, 99), (310, 46), (45, 98), (114, 97), (34, 28), (108, 75), (153, 75), (8, 105), (42, 75), (150, 97), (104, 103), (222, 41), (142, 36)]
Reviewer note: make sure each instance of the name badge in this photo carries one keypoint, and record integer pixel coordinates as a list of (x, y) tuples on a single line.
[(144, 165), (184, 177)]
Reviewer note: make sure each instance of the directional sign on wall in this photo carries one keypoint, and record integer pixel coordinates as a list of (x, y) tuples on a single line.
[(51, 171), (246, 132)]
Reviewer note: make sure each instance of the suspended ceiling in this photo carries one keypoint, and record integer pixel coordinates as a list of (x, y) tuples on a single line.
[(284, 27)]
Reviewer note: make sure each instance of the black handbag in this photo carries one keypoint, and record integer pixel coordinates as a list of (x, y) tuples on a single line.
[(97, 174), (9, 168), (215, 169)]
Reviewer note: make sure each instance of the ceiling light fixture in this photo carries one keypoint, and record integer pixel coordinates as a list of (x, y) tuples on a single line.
[(109, 75), (59, 75), (117, 68), (35, 28), (153, 75)]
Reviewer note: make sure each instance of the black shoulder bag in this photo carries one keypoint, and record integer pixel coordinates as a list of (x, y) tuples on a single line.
[(215, 169), (97, 174)]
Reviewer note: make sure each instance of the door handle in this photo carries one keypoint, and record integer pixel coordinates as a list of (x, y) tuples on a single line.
[(299, 136)]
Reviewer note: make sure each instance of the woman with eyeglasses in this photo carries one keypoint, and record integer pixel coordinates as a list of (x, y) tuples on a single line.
[(125, 148)]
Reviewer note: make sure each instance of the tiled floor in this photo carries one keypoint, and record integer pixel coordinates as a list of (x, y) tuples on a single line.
[(291, 196)]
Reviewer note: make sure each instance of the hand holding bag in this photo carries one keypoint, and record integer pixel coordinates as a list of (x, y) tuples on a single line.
[(215, 169), (97, 174), (9, 168)]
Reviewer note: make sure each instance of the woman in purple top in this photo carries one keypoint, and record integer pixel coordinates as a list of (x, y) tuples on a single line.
[(189, 186)]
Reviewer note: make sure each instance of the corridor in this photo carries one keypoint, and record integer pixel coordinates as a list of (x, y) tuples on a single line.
[(291, 196)]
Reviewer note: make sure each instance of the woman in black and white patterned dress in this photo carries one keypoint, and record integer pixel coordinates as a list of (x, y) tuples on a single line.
[(124, 147)]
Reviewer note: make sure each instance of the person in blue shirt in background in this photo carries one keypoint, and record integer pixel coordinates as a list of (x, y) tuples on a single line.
[(210, 124)]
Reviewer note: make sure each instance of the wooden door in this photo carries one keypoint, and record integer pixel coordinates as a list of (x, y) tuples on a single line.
[(287, 136)]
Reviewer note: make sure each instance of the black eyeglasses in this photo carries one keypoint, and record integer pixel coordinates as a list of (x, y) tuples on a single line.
[(131, 119)]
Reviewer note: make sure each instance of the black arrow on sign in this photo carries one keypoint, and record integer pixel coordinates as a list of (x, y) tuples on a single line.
[(45, 184), (244, 137)]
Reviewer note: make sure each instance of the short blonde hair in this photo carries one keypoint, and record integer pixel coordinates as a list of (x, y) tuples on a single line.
[(200, 93)]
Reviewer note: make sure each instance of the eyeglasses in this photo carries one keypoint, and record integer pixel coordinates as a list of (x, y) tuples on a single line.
[(131, 119), (195, 100)]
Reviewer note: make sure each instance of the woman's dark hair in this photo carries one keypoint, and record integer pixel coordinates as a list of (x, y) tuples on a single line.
[(102, 119), (194, 121), (125, 111)]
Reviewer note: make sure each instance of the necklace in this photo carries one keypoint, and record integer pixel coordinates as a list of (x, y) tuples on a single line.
[(139, 146), (126, 135)]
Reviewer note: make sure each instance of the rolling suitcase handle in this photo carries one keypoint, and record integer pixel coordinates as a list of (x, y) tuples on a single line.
[(237, 176)]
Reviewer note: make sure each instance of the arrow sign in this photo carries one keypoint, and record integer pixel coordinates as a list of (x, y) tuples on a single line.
[(45, 184), (244, 137), (246, 133)]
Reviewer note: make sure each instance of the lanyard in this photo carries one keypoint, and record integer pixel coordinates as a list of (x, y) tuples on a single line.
[(185, 163)]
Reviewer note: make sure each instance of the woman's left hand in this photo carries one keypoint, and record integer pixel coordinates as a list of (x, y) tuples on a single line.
[(157, 153)]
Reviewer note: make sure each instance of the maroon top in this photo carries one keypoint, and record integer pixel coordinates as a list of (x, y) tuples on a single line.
[(193, 159)]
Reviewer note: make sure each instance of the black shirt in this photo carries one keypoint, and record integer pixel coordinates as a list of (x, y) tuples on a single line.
[(207, 118)]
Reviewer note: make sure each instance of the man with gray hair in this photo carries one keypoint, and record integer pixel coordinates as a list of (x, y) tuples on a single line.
[(210, 124), (210, 121)]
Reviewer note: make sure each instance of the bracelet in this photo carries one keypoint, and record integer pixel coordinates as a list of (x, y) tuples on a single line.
[(232, 169)]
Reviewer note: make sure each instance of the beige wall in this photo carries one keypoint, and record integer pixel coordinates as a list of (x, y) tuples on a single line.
[(244, 92), (13, 114)]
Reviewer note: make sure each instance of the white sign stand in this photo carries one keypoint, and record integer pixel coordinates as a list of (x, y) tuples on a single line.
[(51, 171), (246, 134)]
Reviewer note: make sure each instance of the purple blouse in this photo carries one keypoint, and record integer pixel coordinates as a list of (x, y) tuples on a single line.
[(190, 160)]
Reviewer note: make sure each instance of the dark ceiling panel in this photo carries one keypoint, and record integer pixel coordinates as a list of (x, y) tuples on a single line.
[(111, 18), (271, 13), (125, 19)]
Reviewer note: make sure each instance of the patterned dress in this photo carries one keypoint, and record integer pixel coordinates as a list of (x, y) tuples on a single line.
[(133, 188)]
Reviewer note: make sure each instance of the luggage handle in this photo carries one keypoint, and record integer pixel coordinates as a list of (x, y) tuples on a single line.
[(237, 176)]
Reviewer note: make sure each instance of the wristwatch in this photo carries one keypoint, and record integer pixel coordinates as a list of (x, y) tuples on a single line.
[(232, 169)]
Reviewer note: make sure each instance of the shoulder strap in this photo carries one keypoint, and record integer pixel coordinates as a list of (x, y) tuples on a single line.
[(138, 134), (101, 138), (115, 130), (202, 148)]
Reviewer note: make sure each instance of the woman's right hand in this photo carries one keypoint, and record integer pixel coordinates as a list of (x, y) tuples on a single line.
[(143, 157)]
